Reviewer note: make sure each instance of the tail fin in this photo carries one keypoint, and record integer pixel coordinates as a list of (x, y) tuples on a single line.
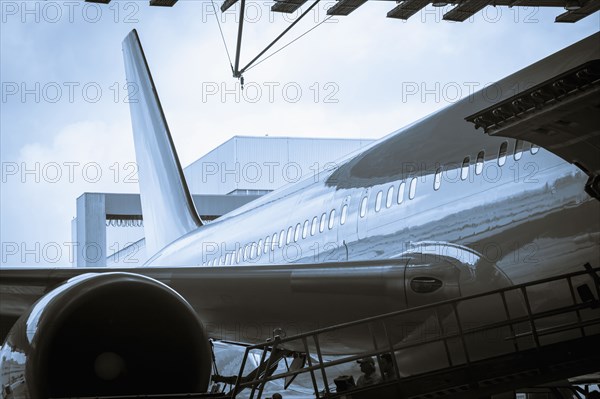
[(167, 205)]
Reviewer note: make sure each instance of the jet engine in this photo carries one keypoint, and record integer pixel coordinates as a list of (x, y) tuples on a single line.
[(106, 334)]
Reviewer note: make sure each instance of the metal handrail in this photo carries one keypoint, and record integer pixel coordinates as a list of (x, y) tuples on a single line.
[(443, 336), (429, 306)]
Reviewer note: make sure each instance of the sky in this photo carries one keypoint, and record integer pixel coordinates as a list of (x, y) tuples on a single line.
[(64, 117)]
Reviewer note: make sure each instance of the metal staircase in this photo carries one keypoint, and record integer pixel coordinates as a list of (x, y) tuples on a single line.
[(528, 334)]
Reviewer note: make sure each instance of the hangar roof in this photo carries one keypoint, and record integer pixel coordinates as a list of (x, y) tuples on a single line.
[(461, 10)]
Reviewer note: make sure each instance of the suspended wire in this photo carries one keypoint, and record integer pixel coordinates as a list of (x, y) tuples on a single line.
[(222, 36), (297, 38)]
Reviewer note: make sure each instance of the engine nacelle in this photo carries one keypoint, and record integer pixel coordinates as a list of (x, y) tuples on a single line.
[(106, 334), (438, 271)]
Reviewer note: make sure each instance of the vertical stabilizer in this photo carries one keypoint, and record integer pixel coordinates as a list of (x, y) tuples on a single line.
[(167, 205)]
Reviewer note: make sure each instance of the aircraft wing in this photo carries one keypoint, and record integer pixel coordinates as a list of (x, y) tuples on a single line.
[(246, 303), (560, 113), (553, 103)]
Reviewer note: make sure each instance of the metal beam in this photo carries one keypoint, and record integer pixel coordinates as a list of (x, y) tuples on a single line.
[(345, 7), (236, 70), (227, 4), (287, 6), (277, 38), (163, 3), (588, 8), (407, 9), (465, 9)]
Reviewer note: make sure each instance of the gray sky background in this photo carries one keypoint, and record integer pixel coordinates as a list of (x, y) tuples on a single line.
[(64, 116)]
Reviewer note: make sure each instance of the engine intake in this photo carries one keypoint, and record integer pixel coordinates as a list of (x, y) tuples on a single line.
[(107, 334)]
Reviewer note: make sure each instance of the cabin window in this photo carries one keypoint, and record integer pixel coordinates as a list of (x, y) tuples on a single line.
[(518, 149), (331, 219), (289, 235), (297, 233), (401, 192), (378, 201), (464, 171), (274, 242), (502, 154), (323, 221), (390, 197), (479, 163), (305, 229), (281, 238), (412, 189), (363, 207), (344, 214), (534, 149), (437, 179), (313, 228)]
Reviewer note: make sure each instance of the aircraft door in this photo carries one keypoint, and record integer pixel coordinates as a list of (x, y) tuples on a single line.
[(346, 232), (362, 213)]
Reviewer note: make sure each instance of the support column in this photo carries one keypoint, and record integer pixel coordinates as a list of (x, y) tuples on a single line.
[(91, 230)]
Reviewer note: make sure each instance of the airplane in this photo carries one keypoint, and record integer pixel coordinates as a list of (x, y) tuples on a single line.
[(434, 211)]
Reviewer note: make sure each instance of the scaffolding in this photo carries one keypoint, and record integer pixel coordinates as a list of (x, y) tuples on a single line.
[(534, 333)]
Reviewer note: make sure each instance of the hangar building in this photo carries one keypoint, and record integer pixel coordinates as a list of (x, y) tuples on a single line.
[(108, 228)]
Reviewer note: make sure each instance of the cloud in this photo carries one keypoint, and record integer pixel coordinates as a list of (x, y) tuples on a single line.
[(39, 187)]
